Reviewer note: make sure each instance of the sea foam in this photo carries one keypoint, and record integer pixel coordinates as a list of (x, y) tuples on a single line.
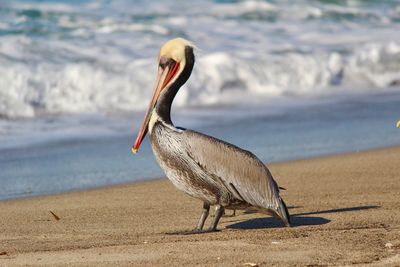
[(226, 78), (58, 58)]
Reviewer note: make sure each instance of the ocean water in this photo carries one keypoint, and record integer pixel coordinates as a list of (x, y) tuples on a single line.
[(284, 79)]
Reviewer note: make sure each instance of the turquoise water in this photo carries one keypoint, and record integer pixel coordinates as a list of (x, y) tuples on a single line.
[(75, 57), (77, 163), (284, 79)]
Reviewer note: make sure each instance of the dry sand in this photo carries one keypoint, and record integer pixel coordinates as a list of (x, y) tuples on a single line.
[(345, 211)]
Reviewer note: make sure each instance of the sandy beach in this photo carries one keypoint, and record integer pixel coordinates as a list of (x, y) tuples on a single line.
[(345, 211)]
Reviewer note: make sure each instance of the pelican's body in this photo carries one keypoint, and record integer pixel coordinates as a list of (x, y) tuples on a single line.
[(216, 172)]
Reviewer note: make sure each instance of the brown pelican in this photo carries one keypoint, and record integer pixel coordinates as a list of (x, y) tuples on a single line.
[(204, 167)]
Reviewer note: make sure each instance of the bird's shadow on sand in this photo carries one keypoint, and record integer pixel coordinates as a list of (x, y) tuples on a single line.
[(299, 219)]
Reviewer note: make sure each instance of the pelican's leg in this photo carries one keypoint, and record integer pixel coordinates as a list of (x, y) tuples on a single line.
[(219, 211), (203, 217)]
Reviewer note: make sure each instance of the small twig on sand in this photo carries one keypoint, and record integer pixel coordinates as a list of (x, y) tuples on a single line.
[(55, 216)]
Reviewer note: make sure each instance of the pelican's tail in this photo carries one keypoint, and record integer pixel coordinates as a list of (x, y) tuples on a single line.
[(283, 213)]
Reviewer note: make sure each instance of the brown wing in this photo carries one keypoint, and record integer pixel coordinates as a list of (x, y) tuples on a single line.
[(245, 176)]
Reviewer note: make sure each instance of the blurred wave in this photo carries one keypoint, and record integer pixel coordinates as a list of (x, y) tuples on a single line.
[(62, 57)]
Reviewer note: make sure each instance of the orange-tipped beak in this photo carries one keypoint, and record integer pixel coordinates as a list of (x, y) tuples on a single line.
[(164, 76)]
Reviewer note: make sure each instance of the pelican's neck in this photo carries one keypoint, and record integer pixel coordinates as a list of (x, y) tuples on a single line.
[(163, 106), (155, 118)]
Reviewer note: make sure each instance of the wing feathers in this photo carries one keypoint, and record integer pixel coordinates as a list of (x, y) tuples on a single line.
[(239, 171)]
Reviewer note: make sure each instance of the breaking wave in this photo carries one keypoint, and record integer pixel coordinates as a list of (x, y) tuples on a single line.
[(99, 56), (81, 87)]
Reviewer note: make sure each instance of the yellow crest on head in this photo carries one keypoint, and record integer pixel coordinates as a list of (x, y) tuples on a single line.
[(175, 49)]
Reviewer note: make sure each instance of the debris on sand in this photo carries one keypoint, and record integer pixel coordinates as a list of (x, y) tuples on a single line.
[(55, 216), (388, 245), (251, 264)]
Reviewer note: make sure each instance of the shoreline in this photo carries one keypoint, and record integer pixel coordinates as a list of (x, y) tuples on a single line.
[(78, 163), (140, 180), (344, 208)]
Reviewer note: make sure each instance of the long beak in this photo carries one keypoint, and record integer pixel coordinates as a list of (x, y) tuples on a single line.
[(164, 76)]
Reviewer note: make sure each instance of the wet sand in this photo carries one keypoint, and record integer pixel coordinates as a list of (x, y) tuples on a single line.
[(345, 211)]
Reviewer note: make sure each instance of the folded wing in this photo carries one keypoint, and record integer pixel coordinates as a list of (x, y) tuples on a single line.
[(241, 172)]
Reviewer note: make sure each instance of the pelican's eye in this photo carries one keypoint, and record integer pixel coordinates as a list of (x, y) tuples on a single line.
[(165, 62)]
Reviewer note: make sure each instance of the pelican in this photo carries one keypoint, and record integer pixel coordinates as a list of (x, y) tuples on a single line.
[(214, 171)]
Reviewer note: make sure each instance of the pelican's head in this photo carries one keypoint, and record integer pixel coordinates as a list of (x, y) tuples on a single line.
[(172, 61)]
